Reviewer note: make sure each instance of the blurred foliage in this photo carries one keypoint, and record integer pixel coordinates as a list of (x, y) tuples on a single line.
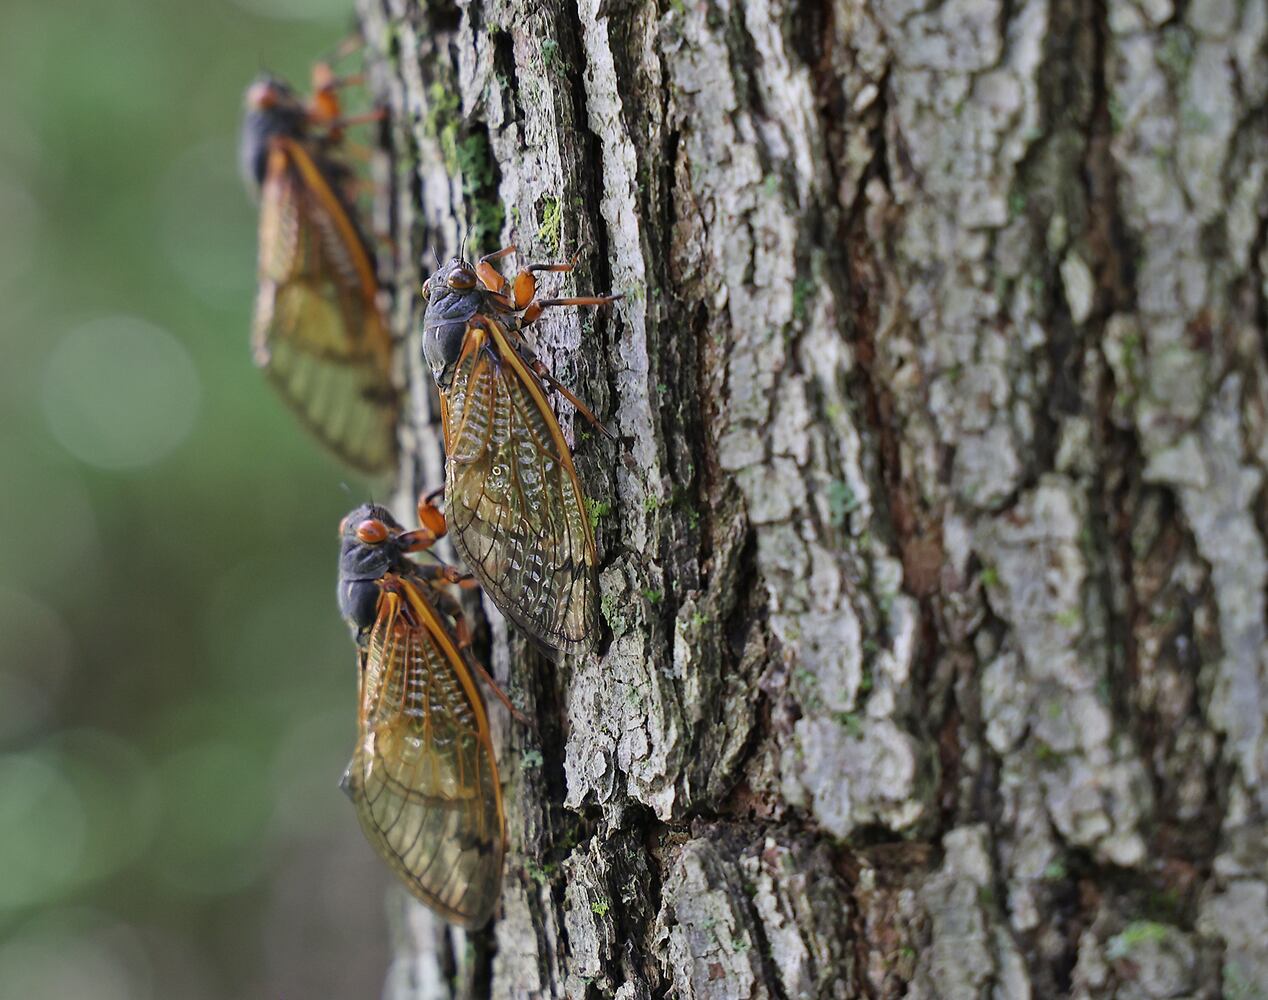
[(176, 688)]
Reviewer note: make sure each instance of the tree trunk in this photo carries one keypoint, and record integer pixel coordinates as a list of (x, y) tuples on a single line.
[(934, 544)]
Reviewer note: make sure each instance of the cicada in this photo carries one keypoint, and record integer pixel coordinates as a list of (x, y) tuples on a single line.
[(319, 333), (423, 775), (515, 506)]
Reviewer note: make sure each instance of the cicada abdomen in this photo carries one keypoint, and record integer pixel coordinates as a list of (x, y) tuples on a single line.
[(515, 506), (319, 333)]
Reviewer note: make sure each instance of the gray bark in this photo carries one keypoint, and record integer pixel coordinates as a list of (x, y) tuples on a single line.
[(934, 546)]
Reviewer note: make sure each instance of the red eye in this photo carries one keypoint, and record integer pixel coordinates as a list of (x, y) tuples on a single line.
[(461, 280), (372, 532), (262, 95), (343, 525), (426, 291)]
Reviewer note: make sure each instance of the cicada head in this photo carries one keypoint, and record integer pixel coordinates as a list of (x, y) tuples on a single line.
[(368, 549), (272, 108), (453, 296)]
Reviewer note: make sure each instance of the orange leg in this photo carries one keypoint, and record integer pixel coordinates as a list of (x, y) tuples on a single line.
[(430, 515), (490, 278), (534, 310), (377, 115), (324, 107), (464, 645), (524, 286), (449, 574), (418, 541), (506, 251), (324, 78), (544, 373), (488, 274), (519, 716), (432, 528), (353, 43)]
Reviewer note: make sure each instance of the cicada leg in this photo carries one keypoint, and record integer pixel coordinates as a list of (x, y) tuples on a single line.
[(339, 124), (544, 373), (524, 285), (418, 540), (519, 716), (432, 526), (347, 46), (323, 75), (324, 108), (430, 516), (444, 602), (532, 312), (489, 275), (450, 574)]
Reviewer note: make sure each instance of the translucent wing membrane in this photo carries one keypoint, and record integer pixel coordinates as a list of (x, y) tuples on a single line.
[(515, 508), (423, 775), (318, 331)]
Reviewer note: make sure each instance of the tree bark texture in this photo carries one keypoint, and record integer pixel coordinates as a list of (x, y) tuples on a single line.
[(933, 549)]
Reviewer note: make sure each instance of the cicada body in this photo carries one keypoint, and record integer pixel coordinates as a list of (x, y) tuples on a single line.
[(423, 774), (516, 510), (318, 333)]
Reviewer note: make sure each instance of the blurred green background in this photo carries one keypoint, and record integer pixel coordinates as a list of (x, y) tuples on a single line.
[(176, 689)]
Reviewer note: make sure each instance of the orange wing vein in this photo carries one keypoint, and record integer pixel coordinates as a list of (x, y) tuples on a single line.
[(515, 507), (423, 775), (318, 332)]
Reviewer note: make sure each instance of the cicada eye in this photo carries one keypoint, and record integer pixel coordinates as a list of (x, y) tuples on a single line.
[(262, 95), (343, 524), (372, 532), (426, 291), (462, 279)]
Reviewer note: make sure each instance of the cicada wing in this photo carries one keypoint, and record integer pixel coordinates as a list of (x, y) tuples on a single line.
[(319, 334), (423, 775), (514, 505)]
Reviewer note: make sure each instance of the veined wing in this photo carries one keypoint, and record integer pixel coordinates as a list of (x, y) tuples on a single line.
[(515, 507), (423, 775), (318, 333)]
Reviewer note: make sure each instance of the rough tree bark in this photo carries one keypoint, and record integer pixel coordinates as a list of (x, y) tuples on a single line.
[(934, 546)]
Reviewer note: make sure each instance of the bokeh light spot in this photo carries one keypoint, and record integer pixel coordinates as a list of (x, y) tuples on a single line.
[(120, 393), (41, 832), (74, 963), (19, 250), (36, 561), (306, 797), (214, 809), (202, 194), (120, 798), (36, 651)]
